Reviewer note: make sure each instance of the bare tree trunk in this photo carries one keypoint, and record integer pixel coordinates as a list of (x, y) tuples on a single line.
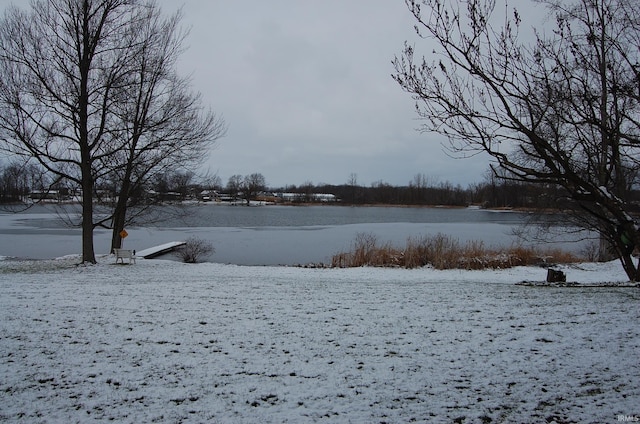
[(627, 259), (88, 253), (120, 211), (605, 250), (119, 219), (630, 269)]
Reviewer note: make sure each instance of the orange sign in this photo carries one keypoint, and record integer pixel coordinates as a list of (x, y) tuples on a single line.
[(123, 233)]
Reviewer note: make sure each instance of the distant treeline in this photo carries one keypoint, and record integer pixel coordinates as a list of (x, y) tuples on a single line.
[(30, 183), (502, 195), (495, 193)]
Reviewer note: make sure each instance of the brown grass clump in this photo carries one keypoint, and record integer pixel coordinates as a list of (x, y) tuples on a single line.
[(444, 252), (367, 252)]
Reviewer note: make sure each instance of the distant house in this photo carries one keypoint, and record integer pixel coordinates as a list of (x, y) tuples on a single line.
[(39, 195), (168, 197), (208, 195), (307, 197), (265, 196), (325, 197), (215, 196)]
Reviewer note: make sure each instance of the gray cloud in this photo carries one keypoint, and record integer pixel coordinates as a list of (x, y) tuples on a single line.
[(306, 89)]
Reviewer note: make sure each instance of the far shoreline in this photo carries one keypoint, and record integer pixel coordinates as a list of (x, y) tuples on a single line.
[(19, 207)]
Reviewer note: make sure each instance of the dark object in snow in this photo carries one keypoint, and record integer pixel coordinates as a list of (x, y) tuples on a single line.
[(576, 284), (556, 276)]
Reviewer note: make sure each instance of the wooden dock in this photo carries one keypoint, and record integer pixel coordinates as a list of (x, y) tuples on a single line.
[(156, 251)]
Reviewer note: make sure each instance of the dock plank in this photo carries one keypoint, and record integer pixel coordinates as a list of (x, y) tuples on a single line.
[(156, 251)]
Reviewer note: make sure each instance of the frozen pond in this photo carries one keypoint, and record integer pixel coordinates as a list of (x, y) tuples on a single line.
[(268, 235)]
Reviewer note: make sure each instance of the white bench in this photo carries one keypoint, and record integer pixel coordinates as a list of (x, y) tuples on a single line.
[(122, 254)]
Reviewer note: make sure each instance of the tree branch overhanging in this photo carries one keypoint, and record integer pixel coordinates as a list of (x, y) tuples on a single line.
[(562, 110)]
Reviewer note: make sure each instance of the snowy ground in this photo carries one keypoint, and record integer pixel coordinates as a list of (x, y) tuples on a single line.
[(161, 341)]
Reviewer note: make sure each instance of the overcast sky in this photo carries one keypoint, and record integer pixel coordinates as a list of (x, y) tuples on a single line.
[(305, 87)]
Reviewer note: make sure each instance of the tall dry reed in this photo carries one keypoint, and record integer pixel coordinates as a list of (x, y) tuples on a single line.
[(444, 252)]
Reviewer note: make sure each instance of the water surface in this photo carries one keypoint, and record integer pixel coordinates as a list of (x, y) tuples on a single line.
[(264, 235)]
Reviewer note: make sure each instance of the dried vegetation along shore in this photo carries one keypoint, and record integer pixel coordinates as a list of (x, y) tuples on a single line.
[(444, 252)]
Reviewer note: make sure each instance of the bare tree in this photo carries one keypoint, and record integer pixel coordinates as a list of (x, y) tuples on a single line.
[(17, 180), (562, 111), (212, 182), (165, 127), (352, 183), (59, 63), (73, 90), (306, 191), (418, 188), (252, 185), (234, 185)]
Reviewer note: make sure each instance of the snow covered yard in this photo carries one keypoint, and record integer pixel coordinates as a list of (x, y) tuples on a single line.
[(162, 341)]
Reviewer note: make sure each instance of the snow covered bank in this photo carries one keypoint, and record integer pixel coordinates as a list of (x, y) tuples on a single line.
[(171, 342)]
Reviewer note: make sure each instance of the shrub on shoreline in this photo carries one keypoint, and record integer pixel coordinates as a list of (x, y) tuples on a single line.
[(194, 249), (444, 252)]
